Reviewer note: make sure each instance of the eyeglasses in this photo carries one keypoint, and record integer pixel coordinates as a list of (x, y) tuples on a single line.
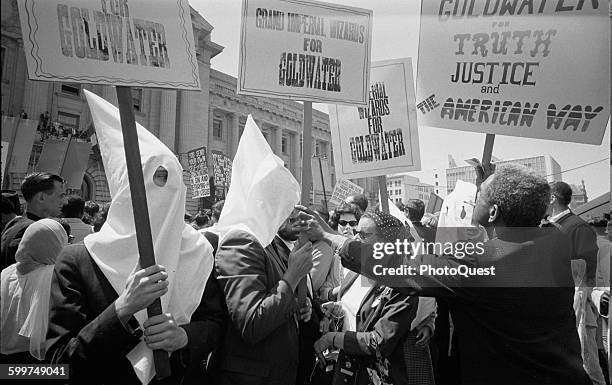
[(350, 223)]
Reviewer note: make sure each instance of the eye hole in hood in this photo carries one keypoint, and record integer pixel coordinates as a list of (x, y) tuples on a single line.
[(160, 177)]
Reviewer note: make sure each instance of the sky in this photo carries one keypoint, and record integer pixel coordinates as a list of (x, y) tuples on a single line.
[(395, 34)]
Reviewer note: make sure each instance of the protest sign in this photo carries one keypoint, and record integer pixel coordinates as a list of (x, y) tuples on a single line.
[(343, 189), (67, 158), (127, 42), (434, 204), (17, 139), (455, 220), (222, 169), (305, 50), (532, 69), (53, 155), (383, 137), (198, 169), (75, 164)]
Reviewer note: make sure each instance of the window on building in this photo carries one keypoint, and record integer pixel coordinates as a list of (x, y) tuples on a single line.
[(68, 121), (71, 89), (436, 175), (436, 183), (137, 99), (217, 128), (317, 149), (285, 144)]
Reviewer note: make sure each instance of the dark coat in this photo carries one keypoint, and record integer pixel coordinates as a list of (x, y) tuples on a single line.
[(262, 340), (583, 240), (85, 332), (515, 327), (383, 325), (11, 236)]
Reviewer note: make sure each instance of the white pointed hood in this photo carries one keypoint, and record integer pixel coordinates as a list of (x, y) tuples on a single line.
[(184, 252), (263, 192)]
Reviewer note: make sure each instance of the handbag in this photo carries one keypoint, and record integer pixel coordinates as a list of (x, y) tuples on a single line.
[(346, 371)]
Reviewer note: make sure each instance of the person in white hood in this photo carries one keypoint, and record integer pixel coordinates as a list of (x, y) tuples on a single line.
[(259, 280), (98, 322)]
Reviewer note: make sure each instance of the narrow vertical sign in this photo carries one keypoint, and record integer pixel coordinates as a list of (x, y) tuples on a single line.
[(199, 172)]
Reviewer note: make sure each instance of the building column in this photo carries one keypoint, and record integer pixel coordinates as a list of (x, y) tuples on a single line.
[(35, 98), (110, 94), (192, 114), (278, 139), (167, 118), (235, 130), (209, 132), (295, 156)]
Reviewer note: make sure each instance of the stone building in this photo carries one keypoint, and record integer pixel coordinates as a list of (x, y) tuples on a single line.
[(543, 165), (183, 120), (402, 188)]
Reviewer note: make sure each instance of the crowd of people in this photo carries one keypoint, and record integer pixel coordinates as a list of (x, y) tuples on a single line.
[(49, 129), (233, 313)]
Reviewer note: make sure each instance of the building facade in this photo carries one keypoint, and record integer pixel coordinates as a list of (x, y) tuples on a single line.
[(402, 188), (543, 165), (213, 118)]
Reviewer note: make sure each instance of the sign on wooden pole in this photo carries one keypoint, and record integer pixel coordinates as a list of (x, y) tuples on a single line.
[(509, 68), (121, 43), (139, 206), (383, 137), (305, 50)]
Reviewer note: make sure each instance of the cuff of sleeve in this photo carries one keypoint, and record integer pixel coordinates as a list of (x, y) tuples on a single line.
[(112, 334), (285, 288), (191, 350), (351, 344)]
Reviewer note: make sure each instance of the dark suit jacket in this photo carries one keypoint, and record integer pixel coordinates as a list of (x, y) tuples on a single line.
[(11, 236), (516, 327), (84, 330), (261, 342), (308, 331), (383, 324), (583, 240)]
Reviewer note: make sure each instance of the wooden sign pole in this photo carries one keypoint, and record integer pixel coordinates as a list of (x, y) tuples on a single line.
[(384, 197), (306, 179), (323, 185), (140, 208), (488, 149), (306, 153)]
